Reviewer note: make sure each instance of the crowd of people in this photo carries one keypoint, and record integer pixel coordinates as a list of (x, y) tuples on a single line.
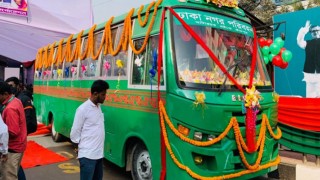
[(17, 120)]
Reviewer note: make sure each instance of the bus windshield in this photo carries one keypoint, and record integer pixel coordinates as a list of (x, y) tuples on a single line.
[(232, 43)]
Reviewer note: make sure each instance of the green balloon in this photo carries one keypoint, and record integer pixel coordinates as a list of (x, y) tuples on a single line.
[(279, 42), (266, 59), (271, 57), (265, 50), (286, 55), (274, 48)]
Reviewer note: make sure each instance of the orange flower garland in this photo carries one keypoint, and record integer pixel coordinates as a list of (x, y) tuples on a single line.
[(233, 123), (106, 41), (143, 23)]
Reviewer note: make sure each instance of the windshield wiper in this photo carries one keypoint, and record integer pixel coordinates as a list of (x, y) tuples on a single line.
[(235, 66)]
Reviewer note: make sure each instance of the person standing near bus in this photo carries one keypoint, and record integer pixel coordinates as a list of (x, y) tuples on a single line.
[(31, 119), (88, 132), (14, 117)]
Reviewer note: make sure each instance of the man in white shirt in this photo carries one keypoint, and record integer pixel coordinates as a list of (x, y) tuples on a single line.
[(311, 69), (88, 132), (4, 139)]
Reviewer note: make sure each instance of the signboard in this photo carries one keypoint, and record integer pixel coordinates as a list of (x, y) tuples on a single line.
[(14, 7), (302, 76), (202, 18)]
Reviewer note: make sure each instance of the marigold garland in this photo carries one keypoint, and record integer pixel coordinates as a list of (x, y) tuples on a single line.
[(144, 22), (239, 141), (69, 54)]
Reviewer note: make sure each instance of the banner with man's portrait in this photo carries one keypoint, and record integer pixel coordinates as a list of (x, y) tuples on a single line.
[(302, 38), (14, 7)]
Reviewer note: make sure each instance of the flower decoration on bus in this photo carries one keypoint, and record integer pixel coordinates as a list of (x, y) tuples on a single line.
[(200, 98), (66, 71), (227, 3), (36, 74), (106, 66), (47, 73), (276, 97), (252, 98), (59, 71), (153, 70), (119, 63), (138, 61), (73, 71), (251, 102), (199, 101), (92, 67), (83, 68), (55, 74)]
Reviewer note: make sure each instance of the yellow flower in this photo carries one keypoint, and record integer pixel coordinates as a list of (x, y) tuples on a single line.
[(119, 63), (200, 98), (252, 97), (275, 97)]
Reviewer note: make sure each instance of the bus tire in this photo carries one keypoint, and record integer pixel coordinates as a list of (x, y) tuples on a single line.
[(141, 163), (56, 137)]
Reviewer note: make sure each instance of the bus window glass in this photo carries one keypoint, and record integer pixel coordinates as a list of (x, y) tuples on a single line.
[(144, 65), (233, 50), (108, 60), (57, 66), (106, 65), (120, 60), (46, 73), (120, 70)]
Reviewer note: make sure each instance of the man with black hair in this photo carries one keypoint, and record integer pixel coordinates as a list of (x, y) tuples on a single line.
[(88, 132), (311, 69), (13, 116), (29, 109)]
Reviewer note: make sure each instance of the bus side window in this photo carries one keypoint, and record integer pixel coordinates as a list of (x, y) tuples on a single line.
[(138, 68), (144, 65), (115, 66), (85, 62)]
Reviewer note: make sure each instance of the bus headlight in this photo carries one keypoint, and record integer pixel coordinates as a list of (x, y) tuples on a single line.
[(211, 137), (197, 136)]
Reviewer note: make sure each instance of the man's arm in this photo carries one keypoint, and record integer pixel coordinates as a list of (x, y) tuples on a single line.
[(301, 34), (76, 129), (12, 120)]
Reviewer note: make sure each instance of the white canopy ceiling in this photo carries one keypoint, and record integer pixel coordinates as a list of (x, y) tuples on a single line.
[(47, 21)]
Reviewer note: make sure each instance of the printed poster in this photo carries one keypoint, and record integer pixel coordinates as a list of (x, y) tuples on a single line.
[(14, 7)]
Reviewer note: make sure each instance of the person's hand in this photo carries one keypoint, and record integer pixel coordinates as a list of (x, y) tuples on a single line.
[(306, 28), (75, 148), (4, 157)]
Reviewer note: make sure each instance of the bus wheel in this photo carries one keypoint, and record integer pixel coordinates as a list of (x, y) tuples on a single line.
[(141, 163), (56, 137)]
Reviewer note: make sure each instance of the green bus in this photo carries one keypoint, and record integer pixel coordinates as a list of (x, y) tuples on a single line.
[(180, 72)]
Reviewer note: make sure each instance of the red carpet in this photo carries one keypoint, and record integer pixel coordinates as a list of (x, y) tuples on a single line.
[(41, 130), (36, 155)]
